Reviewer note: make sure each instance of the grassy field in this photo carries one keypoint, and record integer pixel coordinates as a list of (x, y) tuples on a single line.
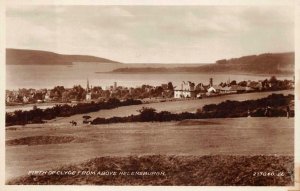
[(239, 136), (56, 144)]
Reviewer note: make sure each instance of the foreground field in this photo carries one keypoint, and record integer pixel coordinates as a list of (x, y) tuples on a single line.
[(213, 170), (35, 147)]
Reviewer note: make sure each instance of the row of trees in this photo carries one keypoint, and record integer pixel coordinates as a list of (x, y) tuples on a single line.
[(37, 115), (228, 109), (268, 84), (78, 93)]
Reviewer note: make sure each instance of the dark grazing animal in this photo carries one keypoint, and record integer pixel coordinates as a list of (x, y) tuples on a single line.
[(74, 123)]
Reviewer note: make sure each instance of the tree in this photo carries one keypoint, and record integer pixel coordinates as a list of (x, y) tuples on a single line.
[(147, 114), (97, 89), (113, 101), (77, 92), (273, 80), (222, 84), (242, 83), (37, 96), (233, 82), (274, 83), (65, 96), (158, 91), (58, 90), (86, 117), (170, 86)]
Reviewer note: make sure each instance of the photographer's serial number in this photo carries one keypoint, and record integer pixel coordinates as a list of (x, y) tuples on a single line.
[(268, 174)]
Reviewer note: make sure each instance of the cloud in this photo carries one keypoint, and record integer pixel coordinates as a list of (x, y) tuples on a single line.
[(152, 33)]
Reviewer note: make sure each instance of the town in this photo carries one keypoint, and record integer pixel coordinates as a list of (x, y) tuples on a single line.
[(187, 90)]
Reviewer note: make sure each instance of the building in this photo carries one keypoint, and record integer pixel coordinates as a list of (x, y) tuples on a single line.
[(47, 96), (225, 90), (232, 89), (214, 89), (187, 90), (8, 99), (25, 99), (88, 95), (115, 86), (211, 82), (257, 85)]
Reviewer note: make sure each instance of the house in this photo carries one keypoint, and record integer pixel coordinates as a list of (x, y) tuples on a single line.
[(232, 89), (184, 94), (8, 99), (249, 89), (187, 90), (225, 90), (47, 96), (25, 99), (214, 89), (237, 89), (88, 96), (255, 85)]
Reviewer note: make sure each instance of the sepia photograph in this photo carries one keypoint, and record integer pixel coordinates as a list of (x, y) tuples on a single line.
[(150, 95)]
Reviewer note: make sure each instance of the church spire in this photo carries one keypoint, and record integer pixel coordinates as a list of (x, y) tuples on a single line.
[(87, 85)]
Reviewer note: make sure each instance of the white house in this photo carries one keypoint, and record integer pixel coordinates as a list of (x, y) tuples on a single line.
[(187, 90), (183, 94), (214, 89), (47, 96), (8, 99), (88, 96), (25, 99)]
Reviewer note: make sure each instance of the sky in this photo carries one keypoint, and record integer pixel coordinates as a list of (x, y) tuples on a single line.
[(152, 34)]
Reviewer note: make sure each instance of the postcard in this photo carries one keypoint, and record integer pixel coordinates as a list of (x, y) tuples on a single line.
[(150, 94)]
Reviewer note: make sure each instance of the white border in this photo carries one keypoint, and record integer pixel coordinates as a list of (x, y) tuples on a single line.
[(4, 3)]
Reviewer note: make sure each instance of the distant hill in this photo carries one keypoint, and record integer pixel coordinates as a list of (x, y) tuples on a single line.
[(37, 57), (270, 63)]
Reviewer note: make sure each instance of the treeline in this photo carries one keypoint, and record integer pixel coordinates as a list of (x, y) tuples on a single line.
[(37, 115), (276, 104)]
